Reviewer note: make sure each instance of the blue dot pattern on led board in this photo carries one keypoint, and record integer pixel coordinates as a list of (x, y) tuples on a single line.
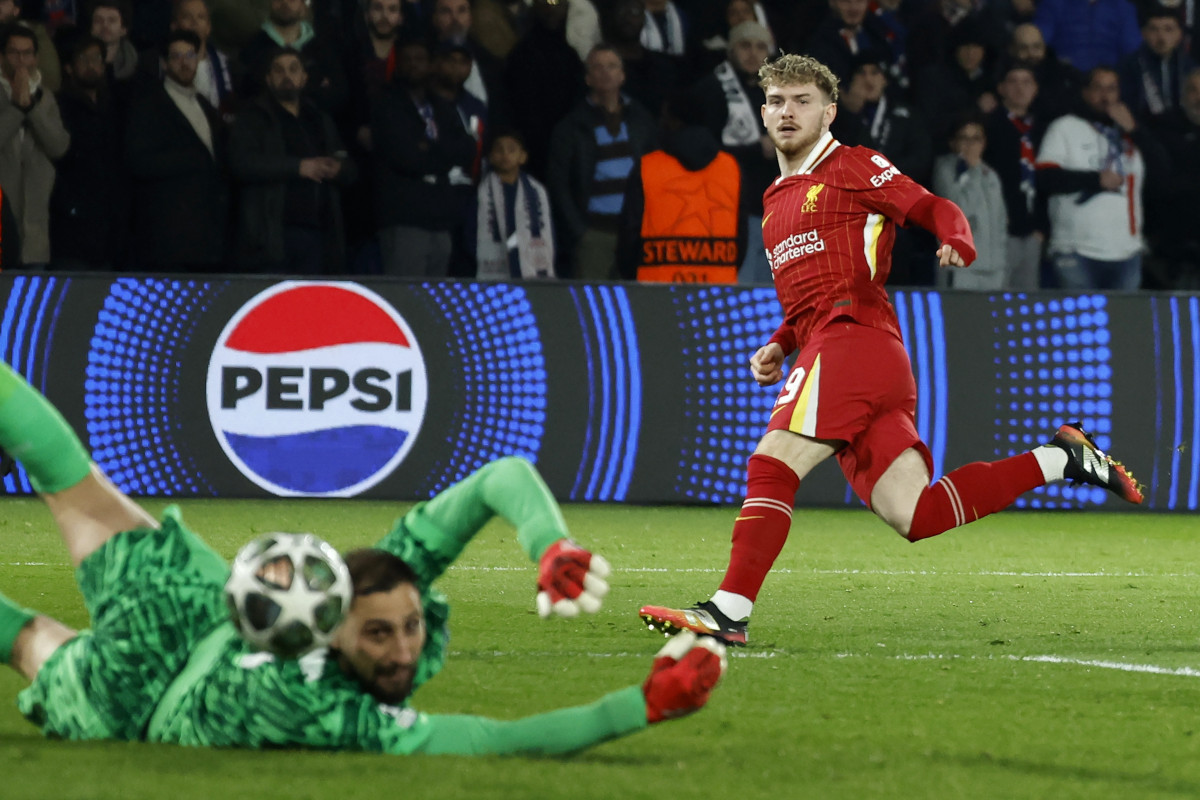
[(724, 412), (1052, 365), (496, 344), (133, 384), (26, 330)]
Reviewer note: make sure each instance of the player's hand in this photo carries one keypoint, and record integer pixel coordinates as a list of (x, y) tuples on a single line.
[(950, 256), (570, 580), (683, 676), (766, 365)]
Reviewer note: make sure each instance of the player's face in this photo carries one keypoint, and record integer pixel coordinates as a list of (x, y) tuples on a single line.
[(380, 641), (795, 117)]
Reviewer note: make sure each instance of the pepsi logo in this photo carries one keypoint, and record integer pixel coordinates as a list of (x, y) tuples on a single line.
[(316, 389)]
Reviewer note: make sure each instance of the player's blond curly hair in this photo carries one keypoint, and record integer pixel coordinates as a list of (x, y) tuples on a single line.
[(793, 70)]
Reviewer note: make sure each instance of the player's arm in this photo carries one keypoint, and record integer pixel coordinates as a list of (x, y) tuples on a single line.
[(433, 534), (681, 680), (945, 220)]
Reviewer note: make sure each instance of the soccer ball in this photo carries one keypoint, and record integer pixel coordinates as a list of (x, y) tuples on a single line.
[(288, 592)]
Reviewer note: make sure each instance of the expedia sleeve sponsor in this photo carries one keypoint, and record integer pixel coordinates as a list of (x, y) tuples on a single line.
[(690, 222)]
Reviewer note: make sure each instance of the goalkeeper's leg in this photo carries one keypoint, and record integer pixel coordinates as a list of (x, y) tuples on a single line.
[(27, 638), (86, 506)]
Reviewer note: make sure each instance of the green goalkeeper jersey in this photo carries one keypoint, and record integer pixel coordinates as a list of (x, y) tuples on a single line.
[(164, 664)]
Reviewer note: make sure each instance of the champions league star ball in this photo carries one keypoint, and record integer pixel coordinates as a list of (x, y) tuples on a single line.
[(288, 592)]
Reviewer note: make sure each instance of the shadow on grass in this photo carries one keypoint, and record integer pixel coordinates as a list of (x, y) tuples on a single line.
[(1146, 780)]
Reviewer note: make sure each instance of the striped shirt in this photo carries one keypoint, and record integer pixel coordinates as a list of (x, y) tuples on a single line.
[(614, 162)]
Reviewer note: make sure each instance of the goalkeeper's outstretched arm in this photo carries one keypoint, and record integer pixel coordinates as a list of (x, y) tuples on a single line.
[(433, 534), (681, 680)]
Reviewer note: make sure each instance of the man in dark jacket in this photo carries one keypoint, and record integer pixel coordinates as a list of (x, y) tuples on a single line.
[(288, 25), (423, 158), (288, 162), (89, 208), (175, 151)]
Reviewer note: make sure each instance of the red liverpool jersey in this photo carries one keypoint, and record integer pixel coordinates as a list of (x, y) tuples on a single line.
[(828, 231)]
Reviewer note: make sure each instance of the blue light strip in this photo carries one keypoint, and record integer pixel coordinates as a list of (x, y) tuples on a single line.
[(1194, 309), (22, 322), (900, 303), (1176, 356), (941, 385), (635, 394), (10, 313), (1155, 315), (34, 337), (590, 364), (620, 400), (62, 296), (605, 380), (922, 350)]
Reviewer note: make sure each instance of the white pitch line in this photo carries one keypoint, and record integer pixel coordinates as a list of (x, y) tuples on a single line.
[(1121, 666), (730, 652)]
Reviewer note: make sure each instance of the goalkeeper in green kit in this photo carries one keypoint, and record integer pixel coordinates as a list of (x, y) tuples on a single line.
[(162, 661)]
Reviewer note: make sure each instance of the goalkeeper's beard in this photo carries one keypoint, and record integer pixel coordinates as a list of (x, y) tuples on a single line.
[(391, 684)]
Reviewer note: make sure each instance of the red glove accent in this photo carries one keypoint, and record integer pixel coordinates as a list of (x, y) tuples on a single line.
[(683, 676), (570, 579)]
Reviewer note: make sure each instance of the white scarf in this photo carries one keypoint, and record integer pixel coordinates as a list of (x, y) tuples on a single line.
[(652, 38), (536, 255), (741, 128), (184, 98)]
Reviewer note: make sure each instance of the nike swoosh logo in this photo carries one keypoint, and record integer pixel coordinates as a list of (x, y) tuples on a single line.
[(767, 217), (776, 411), (739, 519)]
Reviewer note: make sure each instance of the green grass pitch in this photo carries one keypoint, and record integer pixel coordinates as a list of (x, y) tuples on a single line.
[(1047, 655)]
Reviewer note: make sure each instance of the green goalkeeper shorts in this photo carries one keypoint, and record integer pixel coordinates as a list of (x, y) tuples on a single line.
[(151, 596)]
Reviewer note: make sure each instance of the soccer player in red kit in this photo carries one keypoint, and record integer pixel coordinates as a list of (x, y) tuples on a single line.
[(828, 226)]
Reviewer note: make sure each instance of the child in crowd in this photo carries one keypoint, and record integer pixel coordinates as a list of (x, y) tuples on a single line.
[(512, 235)]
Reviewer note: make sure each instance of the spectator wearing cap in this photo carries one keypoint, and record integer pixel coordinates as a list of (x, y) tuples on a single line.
[(1152, 77), (1014, 133), (847, 30), (451, 22), (730, 100), (963, 84), (1089, 33), (871, 116)]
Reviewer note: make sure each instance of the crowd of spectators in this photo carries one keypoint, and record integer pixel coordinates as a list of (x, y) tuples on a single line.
[(498, 138)]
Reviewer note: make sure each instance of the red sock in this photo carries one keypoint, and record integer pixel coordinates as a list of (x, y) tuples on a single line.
[(973, 491), (762, 525)]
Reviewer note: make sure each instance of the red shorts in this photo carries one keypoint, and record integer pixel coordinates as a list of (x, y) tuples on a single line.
[(853, 383)]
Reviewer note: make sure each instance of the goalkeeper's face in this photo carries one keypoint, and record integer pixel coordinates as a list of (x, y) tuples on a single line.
[(380, 641)]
